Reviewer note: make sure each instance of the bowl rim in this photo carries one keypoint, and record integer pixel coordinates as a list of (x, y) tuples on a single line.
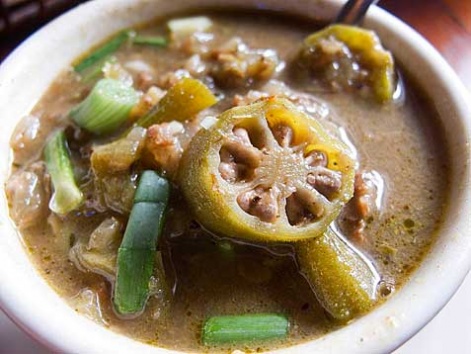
[(382, 330)]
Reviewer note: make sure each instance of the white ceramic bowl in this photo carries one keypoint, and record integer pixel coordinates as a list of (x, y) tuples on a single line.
[(27, 73)]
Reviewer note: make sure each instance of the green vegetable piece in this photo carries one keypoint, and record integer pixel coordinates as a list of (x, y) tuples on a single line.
[(155, 41), (182, 101), (136, 255), (95, 72), (114, 191), (142, 229), (152, 188), (366, 46), (215, 199), (344, 281), (119, 155), (106, 107), (67, 196), (135, 268), (102, 52), (244, 328)]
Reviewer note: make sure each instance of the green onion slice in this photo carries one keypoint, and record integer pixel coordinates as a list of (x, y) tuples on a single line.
[(244, 328), (106, 107), (67, 196), (136, 255), (155, 41), (103, 51)]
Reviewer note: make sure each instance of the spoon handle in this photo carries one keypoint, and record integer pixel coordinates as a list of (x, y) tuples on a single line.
[(353, 11)]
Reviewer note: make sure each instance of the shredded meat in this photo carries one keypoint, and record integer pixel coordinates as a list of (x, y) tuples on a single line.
[(236, 65), (325, 181), (165, 144), (260, 202), (302, 208), (238, 157), (361, 207)]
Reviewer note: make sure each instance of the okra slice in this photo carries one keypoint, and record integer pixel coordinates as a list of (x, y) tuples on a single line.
[(266, 172), (352, 58), (344, 281)]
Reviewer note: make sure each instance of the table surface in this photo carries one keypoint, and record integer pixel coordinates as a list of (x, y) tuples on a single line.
[(447, 25)]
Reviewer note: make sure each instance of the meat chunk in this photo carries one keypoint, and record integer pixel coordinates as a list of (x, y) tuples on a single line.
[(260, 202), (236, 65), (28, 139), (325, 181), (28, 193), (166, 143), (302, 207), (364, 204)]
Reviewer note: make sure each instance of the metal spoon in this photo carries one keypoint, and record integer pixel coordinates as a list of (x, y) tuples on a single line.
[(353, 11)]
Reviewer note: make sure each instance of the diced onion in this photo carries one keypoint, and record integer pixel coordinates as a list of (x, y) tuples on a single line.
[(185, 26)]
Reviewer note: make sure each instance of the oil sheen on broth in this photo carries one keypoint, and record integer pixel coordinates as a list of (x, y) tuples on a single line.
[(400, 151)]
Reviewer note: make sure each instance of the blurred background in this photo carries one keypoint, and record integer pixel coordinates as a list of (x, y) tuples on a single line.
[(445, 23)]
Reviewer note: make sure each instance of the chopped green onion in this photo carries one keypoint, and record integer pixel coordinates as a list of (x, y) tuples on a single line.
[(102, 52), (156, 41), (244, 328), (67, 196), (144, 225), (152, 189), (136, 255), (96, 71), (182, 101), (106, 107)]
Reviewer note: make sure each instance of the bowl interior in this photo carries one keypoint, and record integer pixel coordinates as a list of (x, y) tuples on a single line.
[(27, 298)]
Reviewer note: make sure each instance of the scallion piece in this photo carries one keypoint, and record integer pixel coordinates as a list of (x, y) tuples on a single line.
[(103, 51), (155, 41), (244, 328), (136, 255), (181, 102), (106, 107), (96, 71), (67, 196)]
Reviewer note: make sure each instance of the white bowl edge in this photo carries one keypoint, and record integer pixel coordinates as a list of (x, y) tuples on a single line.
[(59, 327)]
